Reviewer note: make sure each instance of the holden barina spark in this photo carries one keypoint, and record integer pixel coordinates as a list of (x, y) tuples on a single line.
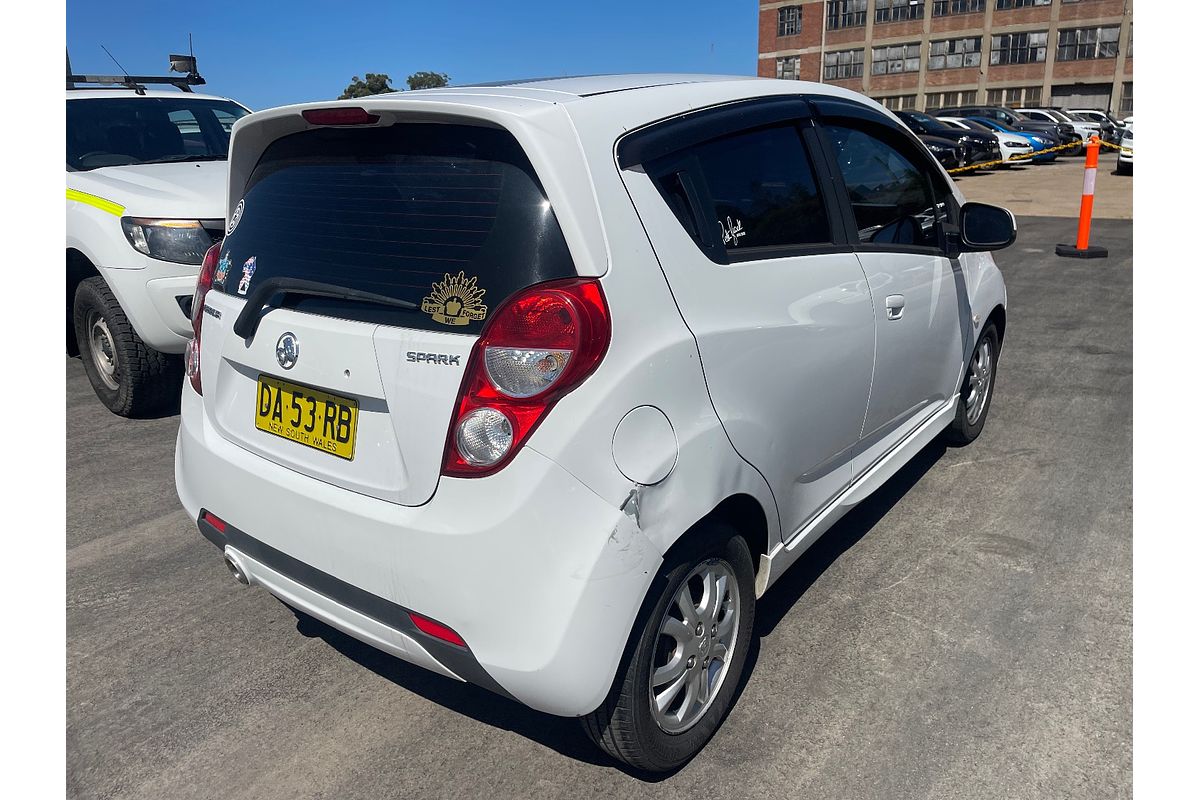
[(541, 386)]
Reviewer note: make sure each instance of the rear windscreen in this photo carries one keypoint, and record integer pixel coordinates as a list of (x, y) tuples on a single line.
[(449, 217)]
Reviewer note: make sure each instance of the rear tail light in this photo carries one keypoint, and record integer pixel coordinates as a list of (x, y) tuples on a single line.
[(204, 282), (349, 115), (538, 346)]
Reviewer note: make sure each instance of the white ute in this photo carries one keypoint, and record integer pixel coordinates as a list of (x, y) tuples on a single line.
[(146, 187), (540, 386)]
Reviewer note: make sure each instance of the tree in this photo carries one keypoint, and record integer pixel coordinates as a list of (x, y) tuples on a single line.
[(376, 83), (427, 80)]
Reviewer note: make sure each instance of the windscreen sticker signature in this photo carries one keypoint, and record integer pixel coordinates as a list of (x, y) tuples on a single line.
[(731, 231), (247, 274), (222, 271), (455, 300), (237, 216)]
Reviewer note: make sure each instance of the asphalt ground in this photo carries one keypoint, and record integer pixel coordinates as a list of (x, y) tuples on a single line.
[(964, 633), (1052, 189)]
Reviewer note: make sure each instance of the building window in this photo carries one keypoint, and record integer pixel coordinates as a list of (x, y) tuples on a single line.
[(943, 7), (954, 53), (789, 20), (1079, 44), (899, 10), (846, 14), (896, 58), (937, 100), (1015, 97), (898, 102), (1127, 100), (1003, 4), (788, 68), (844, 64), (1018, 48)]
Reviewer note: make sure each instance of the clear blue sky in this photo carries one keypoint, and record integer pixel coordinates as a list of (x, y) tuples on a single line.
[(272, 53)]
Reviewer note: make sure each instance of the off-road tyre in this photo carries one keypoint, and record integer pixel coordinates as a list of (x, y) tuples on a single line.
[(143, 381)]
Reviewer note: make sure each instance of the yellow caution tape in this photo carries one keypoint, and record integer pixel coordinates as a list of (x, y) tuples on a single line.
[(1034, 154), (97, 202)]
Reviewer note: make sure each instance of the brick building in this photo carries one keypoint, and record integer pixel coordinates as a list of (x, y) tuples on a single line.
[(926, 54)]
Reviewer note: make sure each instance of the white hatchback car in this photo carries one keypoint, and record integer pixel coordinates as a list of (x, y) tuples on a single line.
[(539, 386)]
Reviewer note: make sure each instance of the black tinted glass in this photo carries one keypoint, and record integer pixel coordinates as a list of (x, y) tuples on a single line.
[(449, 217), (109, 132), (891, 195), (762, 189)]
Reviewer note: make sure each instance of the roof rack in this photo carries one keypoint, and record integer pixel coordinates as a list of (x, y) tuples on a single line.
[(178, 63)]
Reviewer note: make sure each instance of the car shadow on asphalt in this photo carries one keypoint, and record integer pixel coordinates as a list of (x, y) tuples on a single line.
[(566, 736)]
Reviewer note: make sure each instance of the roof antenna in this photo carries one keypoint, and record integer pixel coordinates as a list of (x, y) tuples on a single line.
[(124, 71)]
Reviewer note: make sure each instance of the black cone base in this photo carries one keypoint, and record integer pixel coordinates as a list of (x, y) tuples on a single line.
[(1071, 251)]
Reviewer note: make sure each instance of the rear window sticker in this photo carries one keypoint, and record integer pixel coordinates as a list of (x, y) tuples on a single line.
[(455, 300), (237, 216), (731, 231), (247, 274), (222, 271)]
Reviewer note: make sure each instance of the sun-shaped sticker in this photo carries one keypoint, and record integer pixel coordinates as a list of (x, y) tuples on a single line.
[(455, 300)]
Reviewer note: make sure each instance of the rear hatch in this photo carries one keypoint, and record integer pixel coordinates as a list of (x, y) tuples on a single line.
[(439, 223)]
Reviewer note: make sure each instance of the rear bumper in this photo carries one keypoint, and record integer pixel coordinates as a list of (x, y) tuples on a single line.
[(540, 577)]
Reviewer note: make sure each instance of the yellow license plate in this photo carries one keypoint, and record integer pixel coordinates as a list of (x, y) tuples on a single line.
[(311, 417)]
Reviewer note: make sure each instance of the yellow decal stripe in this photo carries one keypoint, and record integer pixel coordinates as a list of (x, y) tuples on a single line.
[(93, 200)]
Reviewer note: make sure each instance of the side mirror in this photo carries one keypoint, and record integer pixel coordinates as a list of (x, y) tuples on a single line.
[(985, 227)]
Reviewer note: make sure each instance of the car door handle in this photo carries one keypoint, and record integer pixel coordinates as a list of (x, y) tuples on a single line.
[(894, 305)]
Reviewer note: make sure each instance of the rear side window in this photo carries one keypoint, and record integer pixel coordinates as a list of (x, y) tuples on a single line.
[(891, 194), (749, 191), (449, 217)]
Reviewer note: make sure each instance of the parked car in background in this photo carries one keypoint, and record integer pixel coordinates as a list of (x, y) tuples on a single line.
[(1010, 144), (1085, 128), (474, 431), (1099, 116), (1125, 156), (1057, 132), (1040, 143), (949, 153), (980, 146), (146, 176), (1110, 127)]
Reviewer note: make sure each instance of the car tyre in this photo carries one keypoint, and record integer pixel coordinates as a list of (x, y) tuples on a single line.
[(130, 378), (975, 396), (625, 726), (1124, 168)]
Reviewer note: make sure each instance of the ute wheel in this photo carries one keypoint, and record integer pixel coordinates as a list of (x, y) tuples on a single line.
[(685, 657), (975, 397), (130, 378), (1124, 168)]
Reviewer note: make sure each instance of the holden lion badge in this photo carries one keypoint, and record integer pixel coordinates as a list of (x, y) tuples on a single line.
[(287, 350), (455, 300)]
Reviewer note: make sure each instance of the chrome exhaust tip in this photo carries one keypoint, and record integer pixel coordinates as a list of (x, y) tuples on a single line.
[(238, 575)]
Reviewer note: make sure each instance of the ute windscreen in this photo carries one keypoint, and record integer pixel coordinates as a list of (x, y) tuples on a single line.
[(451, 218)]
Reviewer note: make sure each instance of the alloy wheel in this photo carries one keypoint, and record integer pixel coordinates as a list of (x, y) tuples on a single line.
[(979, 381), (696, 639)]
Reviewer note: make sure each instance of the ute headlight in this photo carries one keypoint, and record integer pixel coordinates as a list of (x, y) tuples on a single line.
[(183, 241)]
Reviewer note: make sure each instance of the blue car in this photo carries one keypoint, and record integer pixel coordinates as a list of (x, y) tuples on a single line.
[(1038, 142)]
